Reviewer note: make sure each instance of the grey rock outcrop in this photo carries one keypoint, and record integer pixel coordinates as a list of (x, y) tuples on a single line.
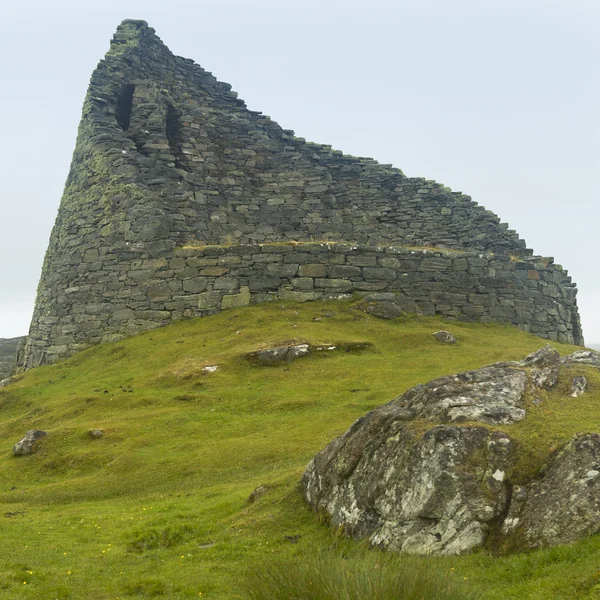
[(9, 348), (564, 505), (286, 354), (30, 443), (578, 386), (545, 365), (383, 492), (582, 357), (492, 395), (278, 355), (444, 488)]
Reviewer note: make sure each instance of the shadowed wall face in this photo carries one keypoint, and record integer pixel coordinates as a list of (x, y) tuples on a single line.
[(167, 155)]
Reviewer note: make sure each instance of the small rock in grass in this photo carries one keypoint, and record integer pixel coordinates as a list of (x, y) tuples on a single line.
[(578, 387), (29, 444), (382, 305), (445, 337), (209, 369), (281, 354), (259, 492), (293, 539), (96, 433)]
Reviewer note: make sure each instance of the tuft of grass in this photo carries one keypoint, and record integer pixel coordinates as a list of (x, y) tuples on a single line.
[(327, 575)]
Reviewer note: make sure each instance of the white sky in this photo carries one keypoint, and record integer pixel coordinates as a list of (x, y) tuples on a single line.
[(498, 99)]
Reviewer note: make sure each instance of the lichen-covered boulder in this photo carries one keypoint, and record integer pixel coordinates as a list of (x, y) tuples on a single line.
[(492, 395), (445, 337), (564, 505), (443, 488), (435, 494), (278, 355), (29, 444), (582, 357)]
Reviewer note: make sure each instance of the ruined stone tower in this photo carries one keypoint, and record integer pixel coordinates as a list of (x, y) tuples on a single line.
[(180, 201)]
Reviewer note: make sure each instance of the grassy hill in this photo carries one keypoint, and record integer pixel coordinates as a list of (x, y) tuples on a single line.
[(158, 507)]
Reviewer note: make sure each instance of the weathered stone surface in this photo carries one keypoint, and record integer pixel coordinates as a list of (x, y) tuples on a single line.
[(445, 337), (492, 395), (582, 357), (281, 354), (96, 433), (564, 506), (286, 354), (8, 355), (435, 494), (544, 365), (30, 443), (578, 386), (382, 308)]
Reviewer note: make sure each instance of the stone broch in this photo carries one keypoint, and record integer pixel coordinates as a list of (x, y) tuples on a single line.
[(181, 202)]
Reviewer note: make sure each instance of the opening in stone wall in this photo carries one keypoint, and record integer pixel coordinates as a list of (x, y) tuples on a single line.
[(125, 106), (175, 134)]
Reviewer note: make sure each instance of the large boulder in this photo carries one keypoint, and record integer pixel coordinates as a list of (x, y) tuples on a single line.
[(434, 494), (563, 506), (443, 487)]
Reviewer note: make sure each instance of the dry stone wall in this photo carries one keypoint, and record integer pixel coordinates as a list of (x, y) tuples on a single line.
[(148, 292), (167, 155)]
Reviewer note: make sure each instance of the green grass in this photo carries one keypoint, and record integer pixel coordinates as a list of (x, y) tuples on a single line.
[(158, 507)]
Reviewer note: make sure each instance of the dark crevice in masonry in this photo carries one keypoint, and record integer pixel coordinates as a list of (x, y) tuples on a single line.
[(125, 107), (174, 135)]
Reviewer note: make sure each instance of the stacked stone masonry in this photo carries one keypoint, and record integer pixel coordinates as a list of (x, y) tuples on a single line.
[(149, 292), (168, 156)]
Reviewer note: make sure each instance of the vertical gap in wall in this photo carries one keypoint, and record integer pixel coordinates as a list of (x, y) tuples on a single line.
[(175, 135), (125, 106)]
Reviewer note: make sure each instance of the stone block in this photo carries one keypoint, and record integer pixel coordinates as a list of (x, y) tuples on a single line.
[(208, 300), (313, 270), (237, 300), (370, 273), (264, 284), (337, 285), (282, 269), (194, 285), (226, 283), (297, 296), (124, 314), (159, 292), (344, 271), (303, 283)]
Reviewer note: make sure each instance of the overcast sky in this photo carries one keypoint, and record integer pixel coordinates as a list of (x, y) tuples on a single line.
[(497, 99)]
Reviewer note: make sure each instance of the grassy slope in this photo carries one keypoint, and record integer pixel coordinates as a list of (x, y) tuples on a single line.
[(158, 506)]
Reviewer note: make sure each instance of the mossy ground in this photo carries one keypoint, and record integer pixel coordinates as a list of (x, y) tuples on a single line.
[(159, 505)]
